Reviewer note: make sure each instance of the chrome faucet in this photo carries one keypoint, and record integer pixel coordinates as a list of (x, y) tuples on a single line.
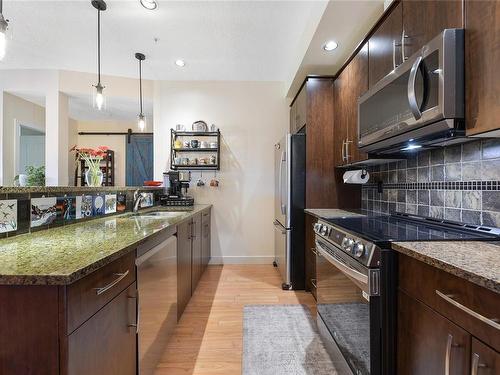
[(138, 199)]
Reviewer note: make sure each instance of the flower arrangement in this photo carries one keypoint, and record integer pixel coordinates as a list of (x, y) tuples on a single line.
[(92, 158)]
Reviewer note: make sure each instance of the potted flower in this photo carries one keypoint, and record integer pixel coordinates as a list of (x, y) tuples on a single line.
[(92, 158)]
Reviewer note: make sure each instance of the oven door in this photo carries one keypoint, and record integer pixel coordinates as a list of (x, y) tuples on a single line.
[(428, 88), (349, 307)]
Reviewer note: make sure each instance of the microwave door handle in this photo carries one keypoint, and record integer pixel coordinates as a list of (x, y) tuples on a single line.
[(412, 96)]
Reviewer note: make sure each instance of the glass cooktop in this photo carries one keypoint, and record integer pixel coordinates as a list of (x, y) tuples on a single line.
[(397, 227)]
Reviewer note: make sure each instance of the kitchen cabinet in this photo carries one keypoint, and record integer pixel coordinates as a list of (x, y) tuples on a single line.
[(298, 111), (184, 261), (482, 50), (310, 254), (424, 19), (351, 83), (87, 327), (206, 238), (196, 249), (106, 343), (385, 46), (193, 255), (484, 360), (427, 341), (447, 319)]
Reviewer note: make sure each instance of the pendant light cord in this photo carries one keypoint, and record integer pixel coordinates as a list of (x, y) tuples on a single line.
[(140, 83), (98, 47)]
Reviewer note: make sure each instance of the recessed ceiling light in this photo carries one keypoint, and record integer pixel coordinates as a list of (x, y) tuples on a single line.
[(330, 45), (149, 4), (180, 63)]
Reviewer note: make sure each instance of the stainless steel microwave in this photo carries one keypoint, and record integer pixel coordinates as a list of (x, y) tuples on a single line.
[(418, 104)]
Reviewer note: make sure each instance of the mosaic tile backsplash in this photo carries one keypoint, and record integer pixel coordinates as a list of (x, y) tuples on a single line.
[(458, 183), (28, 212)]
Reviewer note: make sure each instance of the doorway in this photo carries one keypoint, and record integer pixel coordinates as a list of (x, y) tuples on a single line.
[(31, 150), (139, 159)]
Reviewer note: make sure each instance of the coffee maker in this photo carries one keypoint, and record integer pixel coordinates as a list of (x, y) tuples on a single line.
[(176, 185)]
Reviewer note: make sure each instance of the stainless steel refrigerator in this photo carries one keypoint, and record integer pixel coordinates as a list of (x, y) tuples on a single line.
[(289, 204)]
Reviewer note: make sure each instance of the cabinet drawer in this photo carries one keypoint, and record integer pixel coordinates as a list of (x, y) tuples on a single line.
[(472, 307), (88, 295)]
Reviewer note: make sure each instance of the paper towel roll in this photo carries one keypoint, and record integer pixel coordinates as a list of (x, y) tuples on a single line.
[(356, 177)]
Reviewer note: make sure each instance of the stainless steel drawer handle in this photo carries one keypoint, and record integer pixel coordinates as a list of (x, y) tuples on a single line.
[(447, 359), (313, 249), (449, 298), (105, 288)]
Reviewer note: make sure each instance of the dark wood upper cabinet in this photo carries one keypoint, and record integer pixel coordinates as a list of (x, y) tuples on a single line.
[(385, 46), (341, 115), (482, 48), (358, 85), (425, 19), (428, 341), (298, 111)]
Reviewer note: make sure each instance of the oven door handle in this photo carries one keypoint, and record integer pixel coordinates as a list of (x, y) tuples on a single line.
[(344, 267)]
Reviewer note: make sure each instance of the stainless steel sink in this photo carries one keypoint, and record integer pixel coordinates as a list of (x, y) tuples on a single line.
[(157, 214)]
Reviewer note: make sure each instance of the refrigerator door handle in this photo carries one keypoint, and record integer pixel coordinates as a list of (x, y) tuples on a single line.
[(282, 161)]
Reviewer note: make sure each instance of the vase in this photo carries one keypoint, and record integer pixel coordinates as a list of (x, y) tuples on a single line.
[(93, 177)]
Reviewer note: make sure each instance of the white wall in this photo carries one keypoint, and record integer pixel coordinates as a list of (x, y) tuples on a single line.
[(117, 143), (252, 116), (17, 111)]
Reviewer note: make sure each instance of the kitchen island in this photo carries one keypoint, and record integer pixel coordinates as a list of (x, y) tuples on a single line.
[(69, 294)]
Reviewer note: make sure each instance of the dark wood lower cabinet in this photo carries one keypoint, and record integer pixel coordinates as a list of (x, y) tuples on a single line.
[(427, 341), (184, 260), (106, 343), (310, 255), (196, 251), (484, 360), (206, 226)]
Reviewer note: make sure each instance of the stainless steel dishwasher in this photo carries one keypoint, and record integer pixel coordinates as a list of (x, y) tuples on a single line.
[(157, 298)]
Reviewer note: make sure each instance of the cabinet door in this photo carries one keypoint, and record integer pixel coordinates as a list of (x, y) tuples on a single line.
[(428, 342), (301, 104), (484, 360), (425, 19), (482, 81), (340, 109), (106, 343), (384, 46), (206, 238), (184, 258), (196, 250), (358, 85), (310, 254)]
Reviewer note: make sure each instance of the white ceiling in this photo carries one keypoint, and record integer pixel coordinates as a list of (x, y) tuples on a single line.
[(346, 22), (219, 40)]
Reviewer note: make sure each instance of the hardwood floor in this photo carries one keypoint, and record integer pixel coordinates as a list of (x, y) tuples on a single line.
[(208, 338)]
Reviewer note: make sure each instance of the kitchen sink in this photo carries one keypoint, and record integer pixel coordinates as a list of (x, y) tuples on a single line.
[(157, 214)]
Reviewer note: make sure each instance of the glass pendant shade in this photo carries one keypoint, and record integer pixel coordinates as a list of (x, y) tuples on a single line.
[(141, 122), (99, 100)]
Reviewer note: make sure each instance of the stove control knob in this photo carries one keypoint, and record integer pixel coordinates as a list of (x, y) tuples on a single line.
[(324, 230), (317, 227), (358, 249), (347, 244)]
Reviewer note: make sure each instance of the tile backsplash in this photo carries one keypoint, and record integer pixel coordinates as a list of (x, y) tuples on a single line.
[(29, 210), (458, 183)]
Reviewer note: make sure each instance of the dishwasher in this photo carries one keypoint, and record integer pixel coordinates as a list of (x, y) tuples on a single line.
[(157, 298)]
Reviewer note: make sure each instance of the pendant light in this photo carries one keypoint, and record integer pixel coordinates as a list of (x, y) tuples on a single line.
[(99, 100), (141, 119), (4, 25)]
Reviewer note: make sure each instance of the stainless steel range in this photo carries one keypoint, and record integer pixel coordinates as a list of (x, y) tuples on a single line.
[(356, 283)]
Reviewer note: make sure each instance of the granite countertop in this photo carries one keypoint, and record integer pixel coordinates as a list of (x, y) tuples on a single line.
[(331, 213), (62, 255), (477, 262), (71, 189)]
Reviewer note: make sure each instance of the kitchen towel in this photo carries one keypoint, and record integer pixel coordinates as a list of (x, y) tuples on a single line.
[(360, 176)]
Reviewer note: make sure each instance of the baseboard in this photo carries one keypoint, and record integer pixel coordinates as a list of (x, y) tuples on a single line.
[(242, 260)]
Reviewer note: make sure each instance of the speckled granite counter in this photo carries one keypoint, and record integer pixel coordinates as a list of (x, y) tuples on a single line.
[(330, 213), (477, 262), (71, 189), (65, 254)]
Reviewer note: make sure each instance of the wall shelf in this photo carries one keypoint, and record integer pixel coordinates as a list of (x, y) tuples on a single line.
[(192, 135)]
